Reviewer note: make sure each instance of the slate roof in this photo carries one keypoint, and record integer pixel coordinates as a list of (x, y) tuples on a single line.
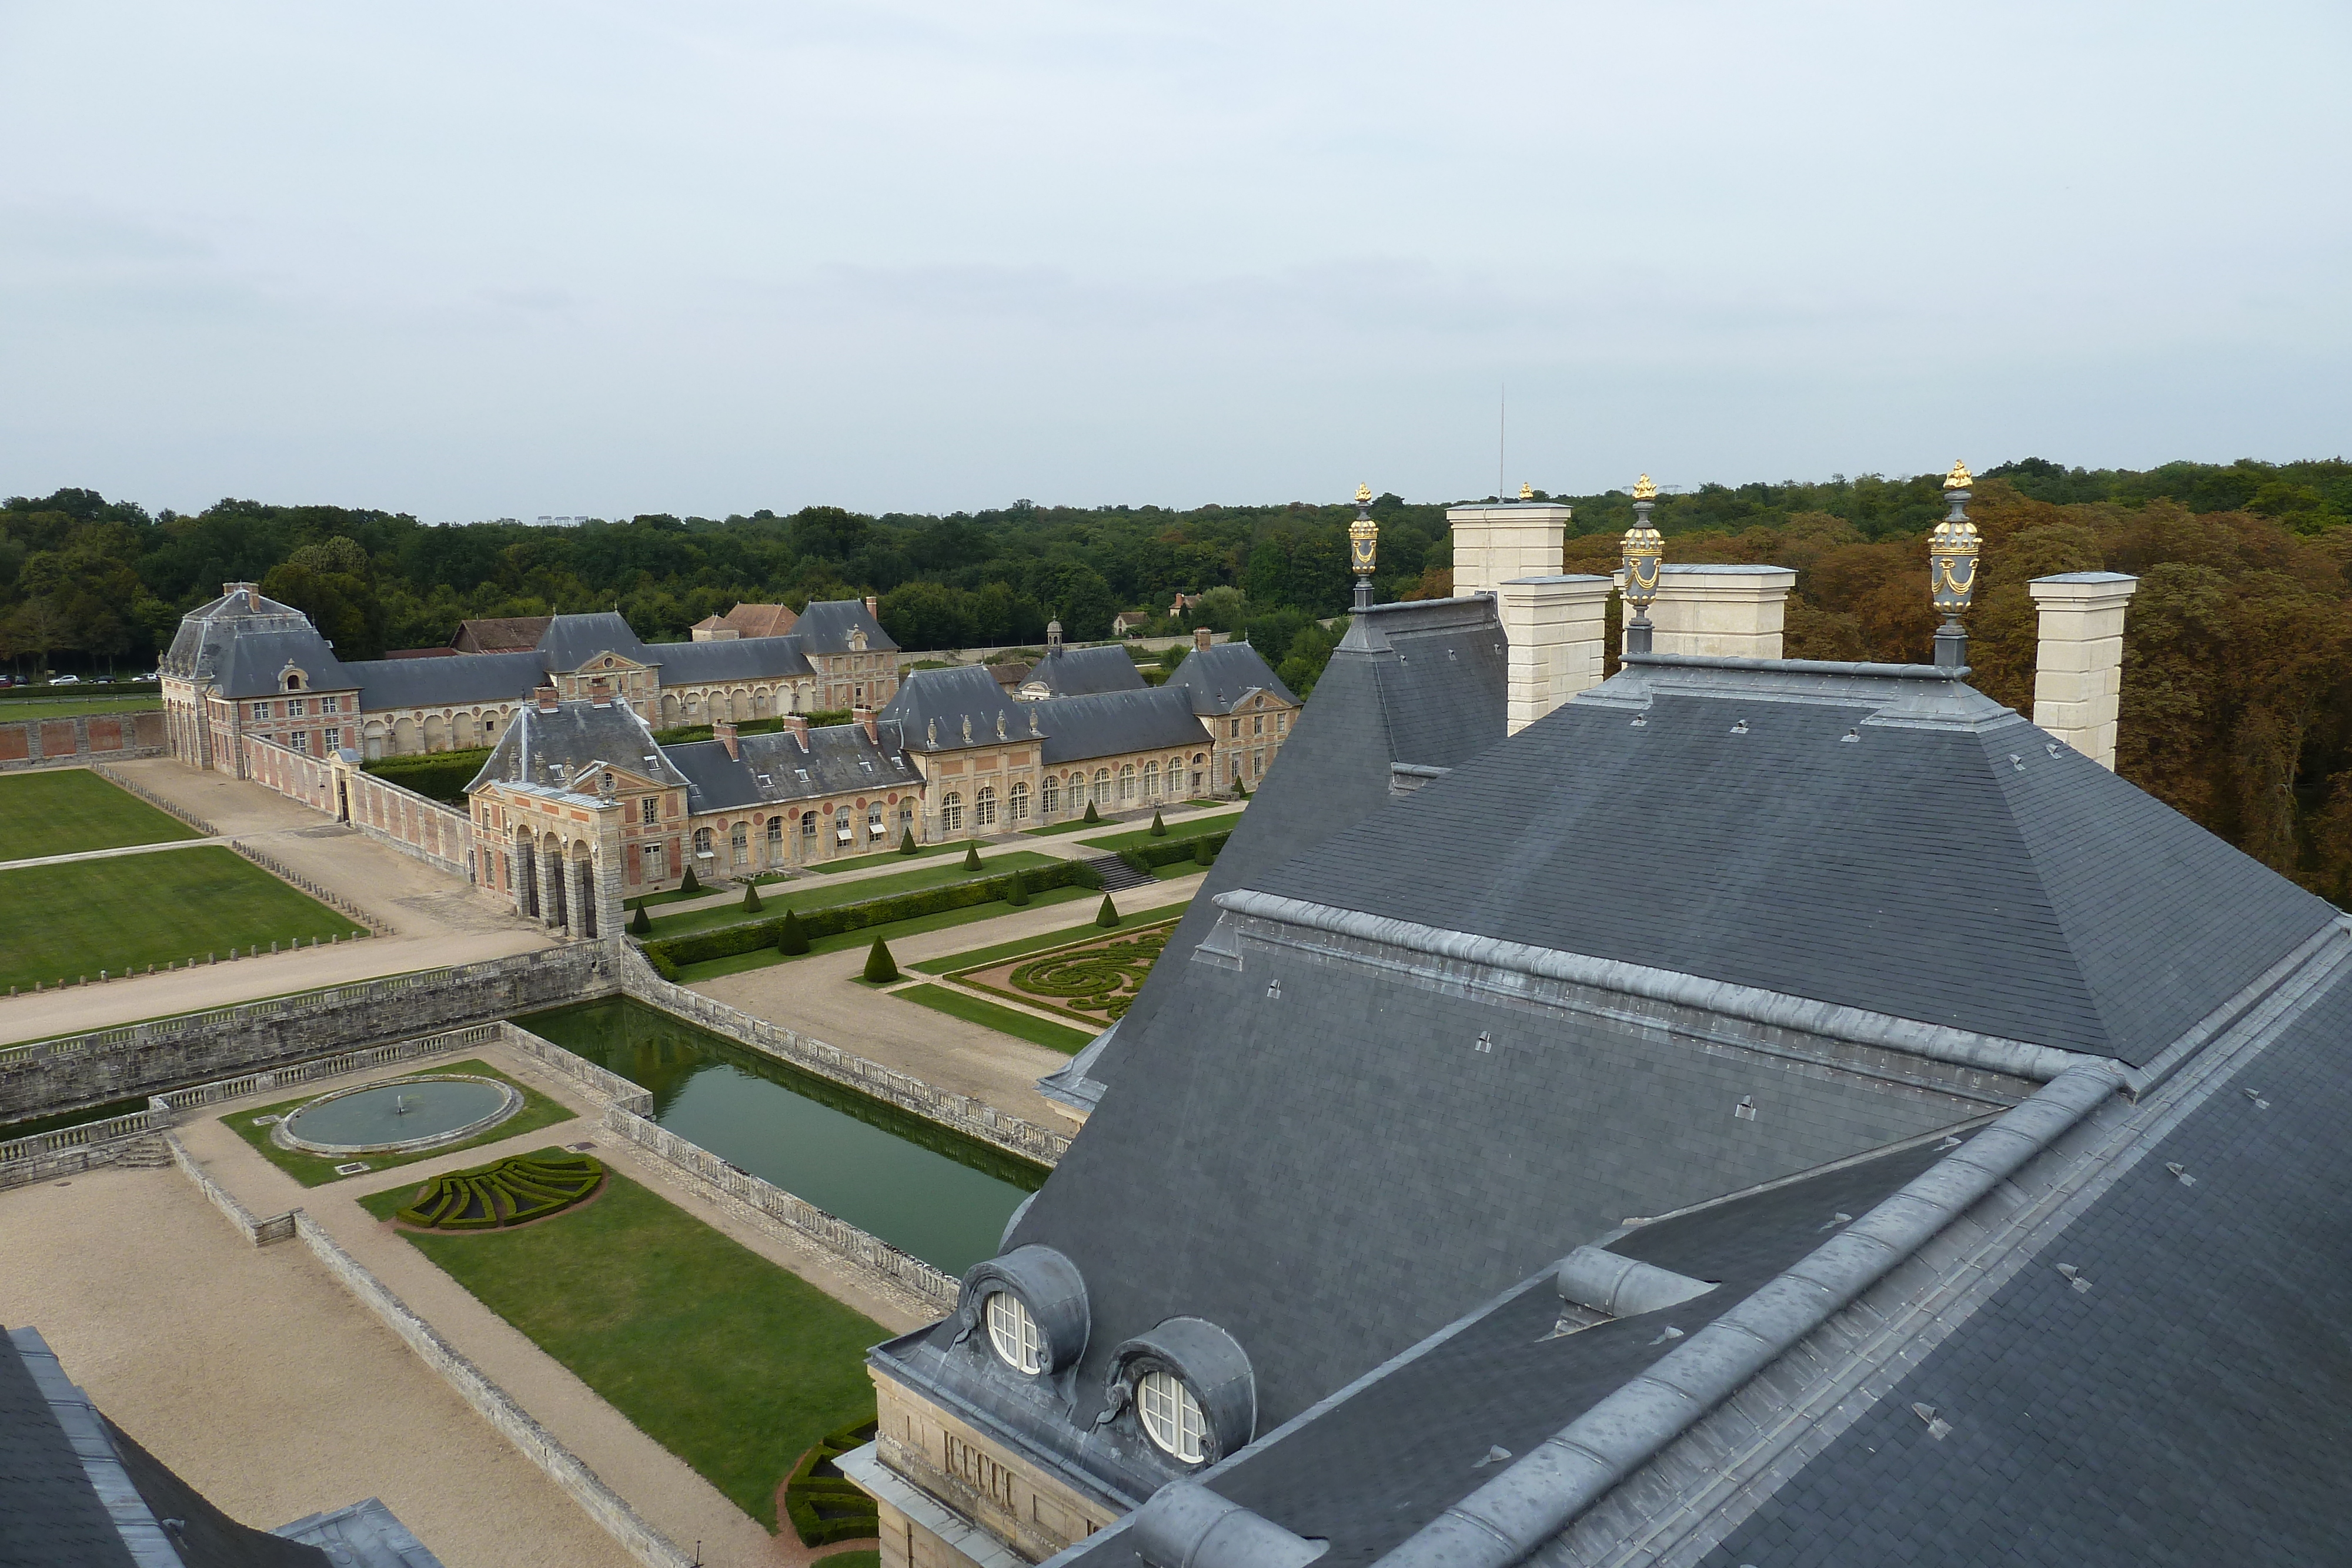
[(1420, 683), (933, 707), (252, 662), (571, 641), (1222, 673), (826, 625), (1081, 671), (1106, 724), (1738, 834), (840, 760), (386, 683), (207, 632), (731, 659), (53, 1515), (548, 749)]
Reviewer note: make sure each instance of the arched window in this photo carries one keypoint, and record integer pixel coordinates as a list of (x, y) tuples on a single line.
[(874, 828), (841, 834), (951, 812), (1014, 1333), (1125, 782), (1199, 761), (775, 835), (1049, 796), (1016, 804), (1152, 780), (1172, 1417), (702, 840), (983, 806), (808, 828), (1102, 786), (738, 842)]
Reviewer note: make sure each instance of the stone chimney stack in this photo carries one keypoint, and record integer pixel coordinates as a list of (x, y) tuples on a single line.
[(723, 732), (874, 607), (796, 725), (1555, 629), (1202, 638), (1494, 543), (1721, 611), (2078, 674), (863, 717), (546, 699)]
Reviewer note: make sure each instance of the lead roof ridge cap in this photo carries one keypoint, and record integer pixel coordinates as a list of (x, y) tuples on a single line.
[(1888, 1032), (1802, 666)]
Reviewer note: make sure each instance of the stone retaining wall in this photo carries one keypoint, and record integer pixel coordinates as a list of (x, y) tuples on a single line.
[(51, 1076), (441, 836), (36, 742)]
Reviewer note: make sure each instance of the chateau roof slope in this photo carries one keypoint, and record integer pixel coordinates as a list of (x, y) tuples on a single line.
[(1082, 671), (256, 660), (429, 683), (1108, 723), (1898, 844), (840, 760), (933, 707), (549, 748), (733, 659), (571, 641), (1222, 673), (825, 627)]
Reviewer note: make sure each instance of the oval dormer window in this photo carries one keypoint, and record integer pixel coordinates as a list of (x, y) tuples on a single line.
[(1013, 1332), (1172, 1417)]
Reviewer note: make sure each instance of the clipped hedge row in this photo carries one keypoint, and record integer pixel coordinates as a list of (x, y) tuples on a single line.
[(437, 776), (1143, 857), (512, 1191), (671, 955), (823, 1505)]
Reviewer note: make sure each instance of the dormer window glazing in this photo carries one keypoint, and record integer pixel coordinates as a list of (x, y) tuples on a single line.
[(1013, 1332), (1172, 1417)]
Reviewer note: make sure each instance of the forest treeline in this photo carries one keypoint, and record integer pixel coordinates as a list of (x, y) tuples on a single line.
[(2237, 703)]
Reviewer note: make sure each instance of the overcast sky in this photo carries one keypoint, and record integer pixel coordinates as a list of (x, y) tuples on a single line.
[(481, 260)]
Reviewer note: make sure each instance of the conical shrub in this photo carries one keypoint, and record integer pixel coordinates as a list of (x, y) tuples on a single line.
[(1159, 828), (880, 968), (792, 941), (971, 856), (1200, 855), (906, 842), (690, 882), (1092, 815), (1016, 891), (750, 899), (641, 924), (1108, 916)]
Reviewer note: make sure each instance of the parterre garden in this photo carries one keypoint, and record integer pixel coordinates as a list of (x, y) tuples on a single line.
[(1093, 982)]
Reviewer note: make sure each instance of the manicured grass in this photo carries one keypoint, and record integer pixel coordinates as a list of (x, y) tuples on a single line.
[(1062, 939), (1143, 835), (122, 914), (655, 900), (72, 809), (856, 863), (804, 897), (1005, 1020), (760, 957), (1070, 827), (1172, 873), (729, 1362), (316, 1170), (851, 1560), (73, 707)]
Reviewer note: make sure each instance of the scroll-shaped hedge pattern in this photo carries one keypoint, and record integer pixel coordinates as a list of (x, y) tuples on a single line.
[(1102, 978), (825, 1506), (512, 1191)]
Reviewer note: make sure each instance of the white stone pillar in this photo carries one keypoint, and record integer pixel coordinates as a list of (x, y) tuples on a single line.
[(1556, 627), (2079, 673), (1719, 612), (1494, 543)]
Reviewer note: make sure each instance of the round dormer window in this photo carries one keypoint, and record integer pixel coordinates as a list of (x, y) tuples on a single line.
[(1172, 1417), (1015, 1333)]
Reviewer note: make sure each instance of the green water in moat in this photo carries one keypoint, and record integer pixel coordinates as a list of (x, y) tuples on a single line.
[(924, 1189)]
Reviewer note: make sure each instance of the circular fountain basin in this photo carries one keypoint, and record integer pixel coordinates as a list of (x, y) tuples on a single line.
[(400, 1116)]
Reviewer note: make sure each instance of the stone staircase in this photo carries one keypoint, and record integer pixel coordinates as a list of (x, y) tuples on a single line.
[(1117, 875)]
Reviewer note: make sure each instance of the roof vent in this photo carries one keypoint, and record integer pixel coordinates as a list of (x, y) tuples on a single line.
[(1938, 1427), (1740, 728), (1851, 737)]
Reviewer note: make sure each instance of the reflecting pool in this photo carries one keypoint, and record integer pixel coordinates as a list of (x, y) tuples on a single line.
[(928, 1191)]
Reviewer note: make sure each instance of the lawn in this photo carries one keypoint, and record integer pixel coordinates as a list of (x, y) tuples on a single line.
[(1005, 1020), (1071, 826), (979, 957), (729, 1362), (857, 863), (73, 707), (316, 1170), (72, 809), (1194, 829), (123, 913), (806, 896), (862, 938)]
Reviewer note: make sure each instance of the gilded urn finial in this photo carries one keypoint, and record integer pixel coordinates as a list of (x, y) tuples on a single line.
[(1527, 491), (1363, 546), (1642, 548), (1952, 547)]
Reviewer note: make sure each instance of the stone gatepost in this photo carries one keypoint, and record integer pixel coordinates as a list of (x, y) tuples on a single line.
[(2079, 668)]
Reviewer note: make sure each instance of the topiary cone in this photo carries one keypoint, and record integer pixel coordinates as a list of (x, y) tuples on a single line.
[(1016, 891), (972, 855), (690, 882), (641, 924), (750, 899), (1108, 916), (880, 968), (1159, 828), (906, 842), (1201, 851), (1092, 815), (792, 940)]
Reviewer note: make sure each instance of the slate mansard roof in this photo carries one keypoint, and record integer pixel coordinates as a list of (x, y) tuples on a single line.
[(1222, 673), (1082, 671), (772, 770), (1761, 944), (552, 750)]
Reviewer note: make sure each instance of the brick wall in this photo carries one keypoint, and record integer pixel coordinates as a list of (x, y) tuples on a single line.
[(95, 737), (439, 835)]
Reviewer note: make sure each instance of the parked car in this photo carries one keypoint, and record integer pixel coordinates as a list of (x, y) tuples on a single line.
[(65, 680), (150, 676)]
